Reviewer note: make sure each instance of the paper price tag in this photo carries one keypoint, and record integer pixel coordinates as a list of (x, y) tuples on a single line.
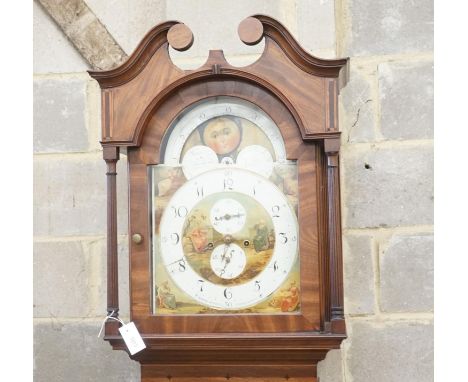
[(132, 338)]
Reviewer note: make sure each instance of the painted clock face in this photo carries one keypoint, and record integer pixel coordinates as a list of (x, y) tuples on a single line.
[(224, 214), (227, 265)]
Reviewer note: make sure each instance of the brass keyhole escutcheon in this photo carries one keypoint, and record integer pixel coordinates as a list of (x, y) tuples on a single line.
[(137, 238)]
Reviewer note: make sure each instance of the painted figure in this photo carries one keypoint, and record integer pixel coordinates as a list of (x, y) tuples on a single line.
[(164, 296), (200, 239), (291, 298), (222, 135), (171, 180), (199, 231), (287, 299)]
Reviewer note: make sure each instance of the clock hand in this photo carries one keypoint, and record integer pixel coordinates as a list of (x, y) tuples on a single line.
[(227, 216), (227, 261), (223, 256), (238, 215), (224, 217), (177, 261)]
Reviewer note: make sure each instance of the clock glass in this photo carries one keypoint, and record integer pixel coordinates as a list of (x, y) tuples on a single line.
[(224, 214)]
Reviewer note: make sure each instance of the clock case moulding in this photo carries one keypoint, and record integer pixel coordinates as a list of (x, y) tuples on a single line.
[(140, 98)]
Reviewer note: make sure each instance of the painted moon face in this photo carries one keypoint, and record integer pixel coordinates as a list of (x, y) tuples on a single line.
[(222, 135), (197, 160), (257, 159), (228, 261), (227, 216)]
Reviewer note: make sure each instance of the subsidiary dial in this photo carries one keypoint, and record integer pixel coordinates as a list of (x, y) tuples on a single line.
[(256, 158), (228, 261), (227, 216), (198, 159)]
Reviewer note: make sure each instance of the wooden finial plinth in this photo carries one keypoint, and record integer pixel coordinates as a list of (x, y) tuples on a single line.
[(250, 31), (180, 37)]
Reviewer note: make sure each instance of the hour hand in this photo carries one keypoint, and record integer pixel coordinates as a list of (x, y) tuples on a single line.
[(223, 256)]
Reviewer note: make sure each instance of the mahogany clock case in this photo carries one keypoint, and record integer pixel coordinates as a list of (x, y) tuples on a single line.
[(149, 153), (299, 92)]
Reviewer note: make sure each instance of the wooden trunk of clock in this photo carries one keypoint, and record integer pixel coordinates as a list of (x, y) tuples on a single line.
[(141, 100)]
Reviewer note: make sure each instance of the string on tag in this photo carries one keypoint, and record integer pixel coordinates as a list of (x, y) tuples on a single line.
[(129, 333), (109, 317)]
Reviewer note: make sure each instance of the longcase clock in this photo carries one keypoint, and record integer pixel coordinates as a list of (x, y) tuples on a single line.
[(234, 207)]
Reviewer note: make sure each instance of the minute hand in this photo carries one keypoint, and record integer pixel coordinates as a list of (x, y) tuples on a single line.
[(227, 216)]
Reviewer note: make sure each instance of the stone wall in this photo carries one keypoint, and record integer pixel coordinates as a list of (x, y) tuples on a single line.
[(387, 198)]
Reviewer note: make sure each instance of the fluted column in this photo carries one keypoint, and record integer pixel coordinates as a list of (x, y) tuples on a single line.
[(111, 156), (332, 147)]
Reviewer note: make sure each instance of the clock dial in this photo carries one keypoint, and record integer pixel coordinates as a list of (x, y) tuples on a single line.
[(225, 213), (254, 234), (227, 216), (247, 256), (228, 261), (256, 158), (198, 159)]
